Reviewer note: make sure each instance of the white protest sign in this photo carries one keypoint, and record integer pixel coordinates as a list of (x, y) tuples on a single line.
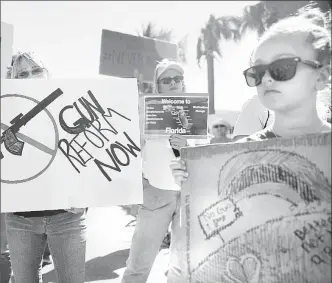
[(124, 55), (81, 144), (7, 35)]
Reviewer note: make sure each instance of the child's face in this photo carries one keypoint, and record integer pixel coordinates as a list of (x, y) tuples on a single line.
[(281, 96), (219, 130)]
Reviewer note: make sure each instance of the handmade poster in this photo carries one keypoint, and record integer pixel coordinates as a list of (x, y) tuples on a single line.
[(69, 143), (125, 55), (7, 34), (258, 212), (176, 114)]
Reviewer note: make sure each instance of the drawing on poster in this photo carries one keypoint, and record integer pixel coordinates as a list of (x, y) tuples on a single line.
[(273, 244), (180, 114), (9, 138), (92, 129), (282, 167), (300, 240)]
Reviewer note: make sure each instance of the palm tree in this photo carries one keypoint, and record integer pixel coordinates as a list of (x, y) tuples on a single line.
[(262, 15), (150, 30), (254, 18), (215, 30)]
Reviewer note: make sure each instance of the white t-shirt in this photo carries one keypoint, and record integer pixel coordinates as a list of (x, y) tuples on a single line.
[(157, 155), (253, 118)]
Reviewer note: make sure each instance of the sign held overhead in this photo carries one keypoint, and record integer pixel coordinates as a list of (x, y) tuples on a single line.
[(124, 55)]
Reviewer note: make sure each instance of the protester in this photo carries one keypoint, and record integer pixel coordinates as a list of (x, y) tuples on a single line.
[(290, 65), (29, 232), (161, 196), (40, 74), (219, 129)]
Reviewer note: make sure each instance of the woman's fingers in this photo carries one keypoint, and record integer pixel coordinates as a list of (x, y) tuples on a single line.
[(179, 176), (178, 141), (178, 164), (179, 171)]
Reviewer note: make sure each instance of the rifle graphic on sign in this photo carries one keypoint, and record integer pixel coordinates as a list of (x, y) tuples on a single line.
[(12, 144)]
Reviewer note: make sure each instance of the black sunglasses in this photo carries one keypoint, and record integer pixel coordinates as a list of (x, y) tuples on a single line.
[(168, 80), (219, 126), (280, 70), (34, 72)]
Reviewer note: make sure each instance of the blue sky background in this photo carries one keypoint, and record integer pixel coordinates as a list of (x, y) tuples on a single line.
[(66, 35)]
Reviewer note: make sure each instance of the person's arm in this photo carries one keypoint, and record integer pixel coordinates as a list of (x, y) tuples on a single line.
[(249, 120)]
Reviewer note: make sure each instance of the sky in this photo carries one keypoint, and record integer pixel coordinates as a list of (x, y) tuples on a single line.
[(66, 35)]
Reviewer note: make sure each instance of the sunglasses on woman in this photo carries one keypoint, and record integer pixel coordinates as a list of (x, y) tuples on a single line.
[(280, 70), (168, 80), (26, 73), (219, 126)]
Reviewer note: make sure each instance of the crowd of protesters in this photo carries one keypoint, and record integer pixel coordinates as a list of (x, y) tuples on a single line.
[(289, 66)]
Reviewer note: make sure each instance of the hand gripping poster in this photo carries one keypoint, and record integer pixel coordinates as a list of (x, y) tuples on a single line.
[(258, 212), (69, 143)]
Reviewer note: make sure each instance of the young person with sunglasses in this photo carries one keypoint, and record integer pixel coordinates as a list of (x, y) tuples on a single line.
[(290, 65), (219, 129), (29, 232), (161, 196)]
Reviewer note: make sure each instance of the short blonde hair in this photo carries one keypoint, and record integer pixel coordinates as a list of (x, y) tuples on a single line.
[(30, 58), (311, 22), (161, 67)]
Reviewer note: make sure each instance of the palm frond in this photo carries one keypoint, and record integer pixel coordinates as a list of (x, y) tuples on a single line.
[(182, 49), (200, 50), (253, 18), (215, 30)]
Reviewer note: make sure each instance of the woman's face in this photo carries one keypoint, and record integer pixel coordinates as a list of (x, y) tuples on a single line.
[(219, 130), (26, 71), (170, 81)]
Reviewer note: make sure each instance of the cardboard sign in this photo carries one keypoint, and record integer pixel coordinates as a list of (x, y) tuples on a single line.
[(76, 144), (258, 212), (7, 34), (176, 114), (124, 55)]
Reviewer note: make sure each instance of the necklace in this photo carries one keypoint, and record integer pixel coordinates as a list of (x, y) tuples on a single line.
[(276, 135)]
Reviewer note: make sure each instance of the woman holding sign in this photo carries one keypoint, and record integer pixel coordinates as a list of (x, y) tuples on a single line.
[(29, 232), (161, 196)]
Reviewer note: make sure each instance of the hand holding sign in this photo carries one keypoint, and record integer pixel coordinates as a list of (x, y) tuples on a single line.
[(179, 171), (177, 141)]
